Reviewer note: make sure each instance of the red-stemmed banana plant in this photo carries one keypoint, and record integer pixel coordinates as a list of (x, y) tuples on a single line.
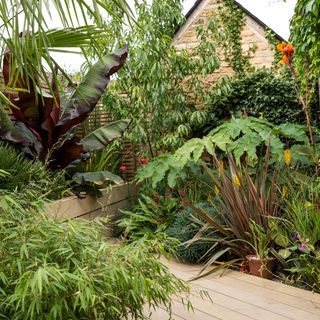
[(41, 122)]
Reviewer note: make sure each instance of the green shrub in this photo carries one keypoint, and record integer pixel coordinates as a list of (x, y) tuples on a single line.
[(261, 93), (52, 270), (150, 216), (25, 175), (185, 227), (299, 234)]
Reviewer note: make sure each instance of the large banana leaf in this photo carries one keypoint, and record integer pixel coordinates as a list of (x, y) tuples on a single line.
[(43, 119), (90, 90), (72, 149), (101, 137), (97, 178), (10, 132)]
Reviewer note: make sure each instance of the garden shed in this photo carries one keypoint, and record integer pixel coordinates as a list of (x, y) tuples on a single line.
[(254, 40)]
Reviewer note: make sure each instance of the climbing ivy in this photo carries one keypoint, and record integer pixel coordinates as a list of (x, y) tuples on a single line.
[(232, 21), (273, 41)]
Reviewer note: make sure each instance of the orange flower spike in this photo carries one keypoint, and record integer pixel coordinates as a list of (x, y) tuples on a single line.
[(281, 47), (288, 49), (284, 59)]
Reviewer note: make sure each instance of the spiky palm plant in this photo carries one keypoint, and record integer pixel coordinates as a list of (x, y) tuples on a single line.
[(80, 22)]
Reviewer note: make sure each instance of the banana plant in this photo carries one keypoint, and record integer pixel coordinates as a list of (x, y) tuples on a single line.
[(42, 122)]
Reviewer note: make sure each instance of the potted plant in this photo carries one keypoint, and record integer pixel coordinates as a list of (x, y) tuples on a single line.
[(261, 263)]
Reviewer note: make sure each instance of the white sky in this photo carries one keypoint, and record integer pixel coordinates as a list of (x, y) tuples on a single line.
[(276, 14)]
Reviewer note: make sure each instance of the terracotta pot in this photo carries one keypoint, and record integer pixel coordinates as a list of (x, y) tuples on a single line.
[(260, 267)]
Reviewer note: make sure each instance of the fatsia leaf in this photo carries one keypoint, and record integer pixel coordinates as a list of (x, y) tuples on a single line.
[(90, 90), (304, 154), (97, 178), (101, 137), (294, 131), (174, 174)]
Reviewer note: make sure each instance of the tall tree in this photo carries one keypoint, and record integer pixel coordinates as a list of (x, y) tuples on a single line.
[(161, 87)]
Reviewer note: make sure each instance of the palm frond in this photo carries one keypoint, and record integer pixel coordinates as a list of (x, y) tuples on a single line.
[(25, 29)]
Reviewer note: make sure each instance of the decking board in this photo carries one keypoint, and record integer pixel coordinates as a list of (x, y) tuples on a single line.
[(237, 296)]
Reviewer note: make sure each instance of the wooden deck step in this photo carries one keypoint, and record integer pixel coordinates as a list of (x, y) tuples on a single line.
[(237, 296)]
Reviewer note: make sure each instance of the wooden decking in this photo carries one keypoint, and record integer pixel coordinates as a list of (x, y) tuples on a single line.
[(237, 296)]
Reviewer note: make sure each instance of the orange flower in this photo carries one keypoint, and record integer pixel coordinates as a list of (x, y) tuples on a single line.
[(284, 59), (281, 46), (287, 49)]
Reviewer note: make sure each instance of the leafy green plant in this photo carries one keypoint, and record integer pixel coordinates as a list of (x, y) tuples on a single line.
[(23, 174), (185, 227), (107, 159), (150, 216), (262, 239), (163, 103), (97, 172), (246, 138), (260, 93), (304, 35), (231, 20), (59, 270), (300, 260), (47, 135), (299, 233)]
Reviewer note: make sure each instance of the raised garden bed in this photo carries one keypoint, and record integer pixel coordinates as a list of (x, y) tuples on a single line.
[(113, 199)]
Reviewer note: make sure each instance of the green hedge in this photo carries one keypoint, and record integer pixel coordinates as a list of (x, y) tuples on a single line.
[(261, 94)]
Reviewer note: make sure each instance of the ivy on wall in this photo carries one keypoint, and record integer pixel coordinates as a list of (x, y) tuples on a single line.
[(273, 41), (231, 19)]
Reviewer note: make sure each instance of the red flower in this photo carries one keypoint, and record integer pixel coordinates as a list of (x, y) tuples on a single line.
[(122, 168), (168, 196), (155, 196), (169, 190), (143, 161), (181, 210), (182, 191)]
